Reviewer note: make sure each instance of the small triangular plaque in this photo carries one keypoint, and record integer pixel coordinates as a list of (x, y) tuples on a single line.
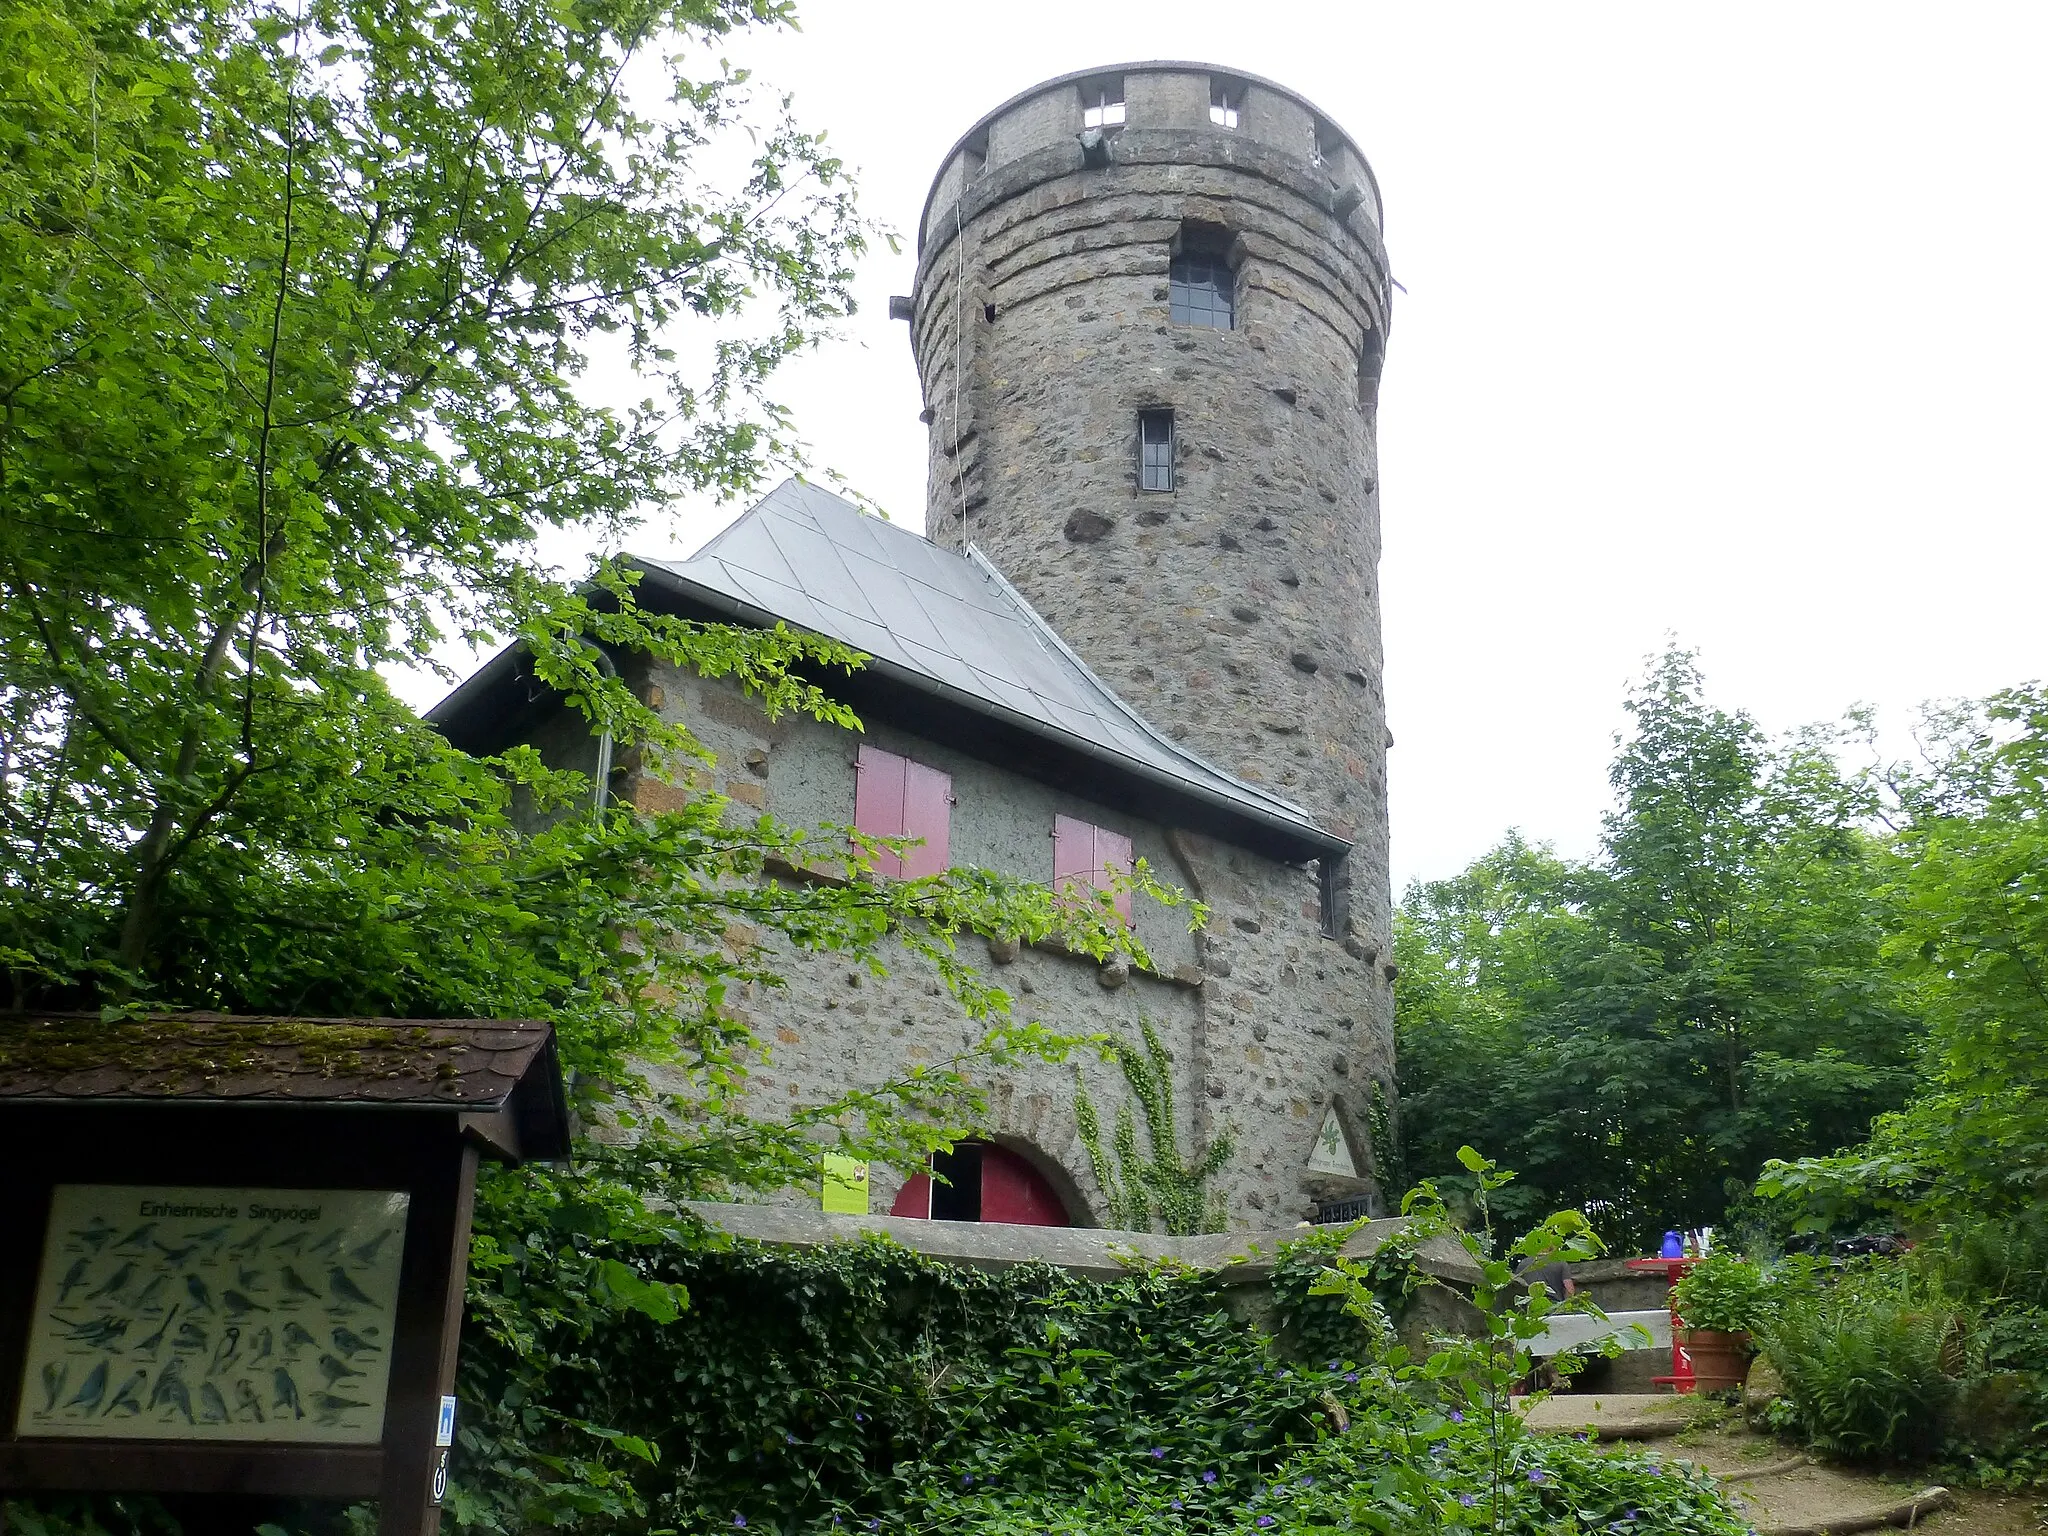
[(1332, 1152)]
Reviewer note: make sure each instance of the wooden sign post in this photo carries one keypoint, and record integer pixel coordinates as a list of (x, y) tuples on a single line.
[(235, 1248)]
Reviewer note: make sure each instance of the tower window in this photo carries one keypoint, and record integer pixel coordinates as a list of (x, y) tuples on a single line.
[(1202, 290), (1333, 872), (1226, 101), (1102, 103), (1326, 146), (1372, 357), (1155, 450)]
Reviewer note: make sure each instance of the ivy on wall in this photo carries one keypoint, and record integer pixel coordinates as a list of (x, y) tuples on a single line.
[(1159, 1182)]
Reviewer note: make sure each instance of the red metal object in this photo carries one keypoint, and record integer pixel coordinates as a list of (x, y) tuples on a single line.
[(1681, 1378)]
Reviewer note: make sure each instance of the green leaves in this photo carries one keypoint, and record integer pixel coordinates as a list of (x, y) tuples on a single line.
[(298, 315), (1140, 1185), (1646, 1031), (1969, 877), (656, 1299)]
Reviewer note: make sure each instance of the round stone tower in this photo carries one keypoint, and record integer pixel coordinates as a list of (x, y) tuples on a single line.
[(1149, 319)]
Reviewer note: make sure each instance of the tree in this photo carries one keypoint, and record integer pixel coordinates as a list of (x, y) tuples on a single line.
[(1647, 1030), (1970, 881), (299, 306)]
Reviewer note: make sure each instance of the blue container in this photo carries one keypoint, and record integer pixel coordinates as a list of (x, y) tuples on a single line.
[(1674, 1246)]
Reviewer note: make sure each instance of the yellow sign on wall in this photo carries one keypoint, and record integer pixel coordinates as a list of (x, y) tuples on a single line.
[(846, 1185)]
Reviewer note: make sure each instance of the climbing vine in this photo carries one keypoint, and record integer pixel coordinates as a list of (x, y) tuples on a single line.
[(1139, 1186)]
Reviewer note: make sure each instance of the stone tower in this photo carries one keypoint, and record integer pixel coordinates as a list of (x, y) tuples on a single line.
[(1149, 319)]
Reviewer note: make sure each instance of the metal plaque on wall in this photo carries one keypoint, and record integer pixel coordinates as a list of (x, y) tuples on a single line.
[(214, 1314)]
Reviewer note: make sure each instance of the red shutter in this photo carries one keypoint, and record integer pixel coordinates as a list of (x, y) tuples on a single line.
[(1014, 1191), (927, 813), (878, 801), (1114, 852), (914, 1198), (895, 797), (1073, 852), (1084, 854)]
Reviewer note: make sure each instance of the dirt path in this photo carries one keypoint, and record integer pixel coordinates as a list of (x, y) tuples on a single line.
[(1784, 1492)]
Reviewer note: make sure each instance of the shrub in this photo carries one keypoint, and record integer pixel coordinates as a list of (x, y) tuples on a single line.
[(862, 1387), (1727, 1294), (1862, 1363)]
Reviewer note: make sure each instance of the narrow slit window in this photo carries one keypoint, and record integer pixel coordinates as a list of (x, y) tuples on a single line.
[(1372, 358), (1202, 290), (1102, 104), (1155, 450), (1334, 872), (1226, 101)]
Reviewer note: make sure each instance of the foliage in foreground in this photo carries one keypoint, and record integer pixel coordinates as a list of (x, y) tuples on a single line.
[(300, 307), (864, 1387), (1941, 1352)]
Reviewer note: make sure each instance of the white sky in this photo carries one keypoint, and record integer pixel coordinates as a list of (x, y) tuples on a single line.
[(1727, 321)]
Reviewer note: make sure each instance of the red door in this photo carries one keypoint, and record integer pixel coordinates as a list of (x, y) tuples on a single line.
[(988, 1183)]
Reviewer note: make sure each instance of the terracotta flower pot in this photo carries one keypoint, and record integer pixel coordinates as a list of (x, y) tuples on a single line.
[(1720, 1361)]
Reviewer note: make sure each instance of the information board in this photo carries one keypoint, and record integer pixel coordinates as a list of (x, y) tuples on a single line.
[(214, 1314)]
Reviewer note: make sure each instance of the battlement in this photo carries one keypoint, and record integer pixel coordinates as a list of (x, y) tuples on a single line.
[(1204, 107)]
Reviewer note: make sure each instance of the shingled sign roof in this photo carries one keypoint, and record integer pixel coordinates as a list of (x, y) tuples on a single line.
[(460, 1065), (946, 623)]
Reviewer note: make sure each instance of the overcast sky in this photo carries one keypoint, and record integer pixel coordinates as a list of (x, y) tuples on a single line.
[(1728, 321)]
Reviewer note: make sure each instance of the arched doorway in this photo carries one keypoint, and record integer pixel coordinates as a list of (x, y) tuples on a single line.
[(984, 1182)]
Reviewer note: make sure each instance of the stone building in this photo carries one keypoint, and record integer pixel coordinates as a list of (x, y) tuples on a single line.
[(1148, 321)]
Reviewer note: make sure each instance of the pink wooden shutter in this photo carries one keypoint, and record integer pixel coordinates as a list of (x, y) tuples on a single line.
[(1113, 852), (1083, 854), (927, 813), (1073, 853), (878, 801)]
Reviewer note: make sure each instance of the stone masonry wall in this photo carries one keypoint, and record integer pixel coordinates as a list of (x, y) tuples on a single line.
[(1259, 1035), (1240, 612)]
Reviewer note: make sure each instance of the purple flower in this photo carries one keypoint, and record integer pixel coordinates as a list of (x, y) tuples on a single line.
[(1468, 1500), (875, 1524), (1174, 1505), (740, 1521), (1333, 1365), (1308, 1482), (1629, 1513), (1351, 1375), (1457, 1417), (860, 1418), (1208, 1477), (1265, 1519), (1654, 1470), (1539, 1476), (788, 1439), (966, 1478), (1158, 1452)]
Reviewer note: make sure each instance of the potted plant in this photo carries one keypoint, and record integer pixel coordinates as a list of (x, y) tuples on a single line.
[(1721, 1301)]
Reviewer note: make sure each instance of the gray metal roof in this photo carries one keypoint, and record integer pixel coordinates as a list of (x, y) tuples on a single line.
[(947, 624)]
